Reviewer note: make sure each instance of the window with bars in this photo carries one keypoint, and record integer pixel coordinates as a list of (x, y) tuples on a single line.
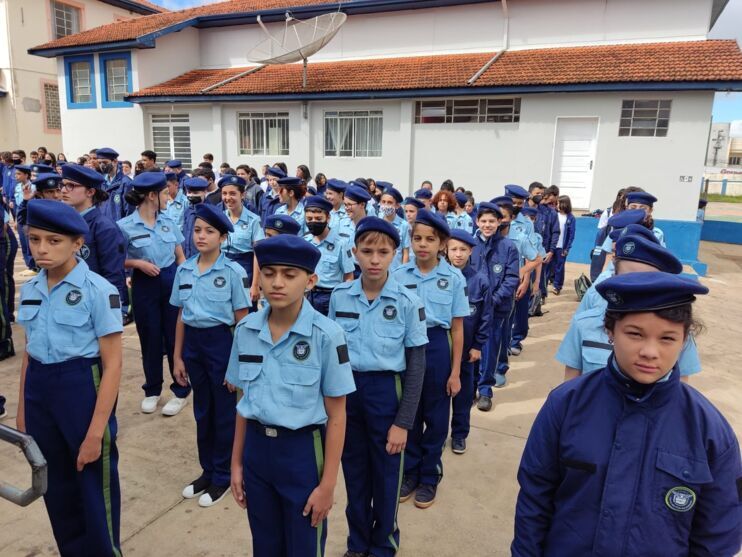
[(449, 111), (115, 78), (171, 138), (645, 118), (353, 133), (52, 113), (79, 81), (263, 133), (65, 19)]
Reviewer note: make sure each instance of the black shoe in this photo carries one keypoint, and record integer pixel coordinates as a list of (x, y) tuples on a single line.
[(213, 495), (350, 553), (409, 485), (196, 487), (127, 319), (425, 496), (484, 403), (3, 413), (458, 446)]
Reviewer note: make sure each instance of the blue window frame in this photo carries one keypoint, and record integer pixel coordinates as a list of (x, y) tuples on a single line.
[(79, 75), (115, 79)]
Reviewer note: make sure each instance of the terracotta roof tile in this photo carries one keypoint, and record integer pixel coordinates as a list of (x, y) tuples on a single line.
[(656, 62)]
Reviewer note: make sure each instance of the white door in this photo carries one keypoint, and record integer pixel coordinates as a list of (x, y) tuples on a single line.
[(574, 158)]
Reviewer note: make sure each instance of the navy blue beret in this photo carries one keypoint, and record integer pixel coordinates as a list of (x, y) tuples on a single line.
[(423, 194), (641, 197), (638, 248), (357, 194), (317, 202), (311, 190), (529, 211), (433, 220), (357, 184), (638, 292), (47, 181), (55, 216), (150, 181), (375, 224), (175, 163), (170, 176), (414, 202), (290, 182), (232, 180), (488, 207), (283, 224), (627, 217), (106, 153), (502, 201), (461, 198), (275, 172), (82, 175), (636, 229), (216, 218), (362, 182), (23, 168), (393, 192), (42, 168), (287, 250), (384, 186), (336, 185), (195, 184), (514, 190), (463, 236)]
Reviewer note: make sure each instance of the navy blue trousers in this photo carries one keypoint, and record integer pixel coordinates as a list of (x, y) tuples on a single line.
[(461, 404), (25, 250), (495, 354), (320, 300), (280, 474), (155, 320), (559, 263), (6, 331), (10, 245), (372, 476), (426, 439), (206, 356), (83, 507), (520, 320)]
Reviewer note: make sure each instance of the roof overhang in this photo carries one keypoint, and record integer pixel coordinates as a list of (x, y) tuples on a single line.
[(133, 7)]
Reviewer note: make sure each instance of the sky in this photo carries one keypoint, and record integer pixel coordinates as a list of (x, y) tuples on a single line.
[(727, 106)]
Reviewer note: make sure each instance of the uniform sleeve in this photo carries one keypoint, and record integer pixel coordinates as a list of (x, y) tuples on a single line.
[(538, 477), (233, 367), (404, 236), (337, 376), (175, 292), (111, 263), (460, 306), (416, 332), (688, 362), (482, 332), (607, 244), (346, 258), (179, 238), (257, 232), (510, 280), (529, 251), (554, 230), (570, 350), (332, 307), (587, 300), (414, 378), (240, 289), (106, 311)]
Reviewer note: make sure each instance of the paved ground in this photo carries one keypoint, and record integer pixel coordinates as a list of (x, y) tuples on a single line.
[(724, 211), (473, 515)]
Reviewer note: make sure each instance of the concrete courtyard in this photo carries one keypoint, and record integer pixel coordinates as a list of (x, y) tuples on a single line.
[(473, 514)]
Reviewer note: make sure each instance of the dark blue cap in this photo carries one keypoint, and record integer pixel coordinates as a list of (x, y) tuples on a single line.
[(357, 194), (355, 183), (641, 197), (625, 218), (463, 236), (461, 198), (393, 192), (529, 211), (514, 190), (384, 186), (232, 180), (414, 202), (290, 251), (106, 153), (636, 229), (638, 292), (82, 175), (317, 202), (175, 163), (55, 216), (489, 207), (195, 184), (311, 190), (23, 168), (149, 181), (216, 218), (375, 224), (47, 181), (42, 168), (283, 224), (290, 182), (337, 185), (632, 247), (170, 176), (502, 201), (433, 220), (275, 172), (423, 193), (362, 182)]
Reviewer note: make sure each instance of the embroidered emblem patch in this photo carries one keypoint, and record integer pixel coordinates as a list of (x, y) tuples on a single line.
[(84, 251), (472, 309), (497, 268), (50, 183), (330, 247), (680, 499), (244, 227), (73, 297), (277, 224), (442, 283), (165, 228), (219, 282), (628, 248), (390, 312), (613, 297), (117, 199), (301, 350)]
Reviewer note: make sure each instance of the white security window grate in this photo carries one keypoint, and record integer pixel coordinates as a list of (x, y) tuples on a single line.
[(354, 133), (171, 138), (65, 19), (645, 118), (263, 133), (116, 79), (80, 73), (449, 111)]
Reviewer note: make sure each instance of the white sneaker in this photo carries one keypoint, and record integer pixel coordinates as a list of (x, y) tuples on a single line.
[(149, 404), (174, 406), (3, 414), (212, 496)]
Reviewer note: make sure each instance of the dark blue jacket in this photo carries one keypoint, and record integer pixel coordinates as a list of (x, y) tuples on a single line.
[(569, 232), (614, 469), (189, 219), (268, 206), (547, 224), (115, 207), (105, 251), (477, 324), (502, 266), (8, 181)]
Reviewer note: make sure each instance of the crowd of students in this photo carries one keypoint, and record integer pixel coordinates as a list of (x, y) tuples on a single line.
[(321, 323)]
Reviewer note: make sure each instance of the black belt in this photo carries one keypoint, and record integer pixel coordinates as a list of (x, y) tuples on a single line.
[(322, 290), (279, 431)]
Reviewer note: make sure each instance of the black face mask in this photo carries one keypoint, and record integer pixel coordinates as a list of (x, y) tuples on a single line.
[(516, 211), (537, 199), (316, 228), (16, 161), (195, 199), (105, 168)]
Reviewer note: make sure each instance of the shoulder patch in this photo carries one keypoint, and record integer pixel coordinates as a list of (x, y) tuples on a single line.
[(421, 313), (245, 282), (343, 357), (739, 489), (350, 254), (466, 290), (114, 301)]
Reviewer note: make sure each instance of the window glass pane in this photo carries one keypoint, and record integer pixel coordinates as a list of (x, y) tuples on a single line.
[(642, 133), (65, 20), (646, 104), (661, 132), (80, 76), (331, 134), (116, 82), (354, 133), (665, 104), (171, 137), (648, 118), (263, 133)]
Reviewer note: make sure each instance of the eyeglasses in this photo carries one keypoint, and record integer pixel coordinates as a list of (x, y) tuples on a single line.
[(349, 204), (69, 186)]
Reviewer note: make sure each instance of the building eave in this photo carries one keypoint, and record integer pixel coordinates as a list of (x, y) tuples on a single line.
[(134, 7)]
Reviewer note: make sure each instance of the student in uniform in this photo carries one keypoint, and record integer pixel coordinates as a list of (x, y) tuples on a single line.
[(281, 224), (291, 191), (488, 222), (628, 460), (176, 166), (477, 327), (270, 201), (645, 201), (355, 203), (291, 363), (177, 200), (567, 227), (336, 263), (116, 184), (442, 289), (463, 220), (444, 204), (211, 293), (196, 193), (153, 252), (535, 299), (426, 196), (411, 206), (388, 380), (69, 382), (335, 194), (388, 205), (23, 182)]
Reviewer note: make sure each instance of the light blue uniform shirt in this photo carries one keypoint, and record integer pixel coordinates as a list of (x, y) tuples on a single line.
[(403, 229), (395, 320), (608, 242), (247, 231), (520, 237), (371, 209), (451, 219), (464, 222), (335, 261), (538, 243), (526, 222), (176, 208), (337, 217), (442, 291), (211, 298), (156, 245), (586, 347), (284, 383), (67, 322), (18, 192), (297, 214)]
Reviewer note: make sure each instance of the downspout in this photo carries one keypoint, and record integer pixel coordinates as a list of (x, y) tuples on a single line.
[(505, 41)]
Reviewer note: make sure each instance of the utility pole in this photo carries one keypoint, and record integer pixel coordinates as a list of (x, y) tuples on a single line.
[(718, 140)]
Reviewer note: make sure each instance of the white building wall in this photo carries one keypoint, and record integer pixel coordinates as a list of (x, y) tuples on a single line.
[(176, 54)]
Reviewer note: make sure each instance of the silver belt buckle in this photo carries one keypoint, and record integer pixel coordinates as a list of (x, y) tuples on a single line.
[(271, 432)]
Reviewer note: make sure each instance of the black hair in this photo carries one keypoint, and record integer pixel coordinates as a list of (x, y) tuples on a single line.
[(282, 166), (229, 172), (151, 155), (565, 204), (208, 156), (100, 196), (305, 174), (206, 165), (552, 190), (135, 197), (679, 314), (447, 185), (320, 179), (244, 167), (224, 165), (535, 185)]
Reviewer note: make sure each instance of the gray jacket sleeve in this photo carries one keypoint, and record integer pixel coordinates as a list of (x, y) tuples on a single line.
[(413, 386)]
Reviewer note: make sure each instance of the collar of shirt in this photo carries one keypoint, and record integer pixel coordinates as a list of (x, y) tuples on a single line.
[(86, 211), (391, 290), (76, 277), (302, 326), (137, 219), (439, 269), (655, 395), (192, 264)]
